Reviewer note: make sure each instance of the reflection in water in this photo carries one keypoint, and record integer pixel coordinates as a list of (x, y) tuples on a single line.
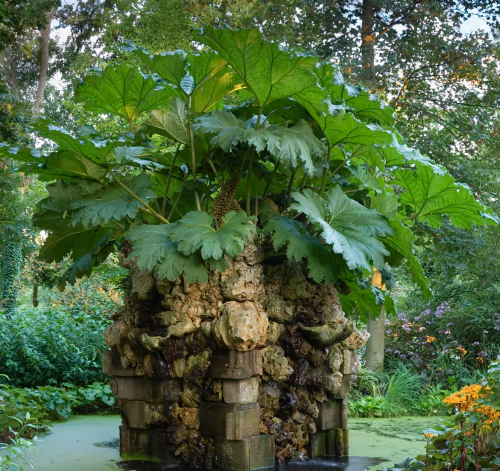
[(351, 463)]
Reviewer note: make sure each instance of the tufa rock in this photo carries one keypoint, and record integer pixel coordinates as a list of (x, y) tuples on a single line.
[(241, 326), (274, 364)]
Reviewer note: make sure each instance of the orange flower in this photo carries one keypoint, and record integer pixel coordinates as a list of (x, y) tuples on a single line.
[(429, 435), (465, 399), (462, 350), (430, 339)]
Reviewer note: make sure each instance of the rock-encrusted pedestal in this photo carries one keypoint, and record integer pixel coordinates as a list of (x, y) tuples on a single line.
[(248, 370)]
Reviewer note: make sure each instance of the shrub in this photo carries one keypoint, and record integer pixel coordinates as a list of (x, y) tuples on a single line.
[(445, 343), (41, 347)]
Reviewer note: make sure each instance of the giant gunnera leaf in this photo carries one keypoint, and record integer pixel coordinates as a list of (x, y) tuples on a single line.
[(349, 227), (113, 202), (196, 231), (155, 250), (123, 91), (322, 263)]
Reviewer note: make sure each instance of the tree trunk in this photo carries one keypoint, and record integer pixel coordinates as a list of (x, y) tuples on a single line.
[(11, 67), (44, 62), (368, 42), (375, 347), (35, 294)]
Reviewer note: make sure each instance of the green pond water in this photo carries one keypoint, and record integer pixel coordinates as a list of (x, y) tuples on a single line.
[(89, 443)]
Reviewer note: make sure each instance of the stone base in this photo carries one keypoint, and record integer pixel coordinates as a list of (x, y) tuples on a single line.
[(333, 442), (150, 444), (245, 455)]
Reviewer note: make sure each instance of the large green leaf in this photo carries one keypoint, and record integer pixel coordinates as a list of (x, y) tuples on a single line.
[(66, 239), (83, 266), (341, 127), (429, 196), (349, 227), (268, 72), (203, 78), (402, 241), (170, 123), (367, 301), (113, 203), (97, 151), (291, 146), (53, 209), (71, 164), (154, 249), (123, 91), (365, 106), (212, 80), (323, 265), (194, 231)]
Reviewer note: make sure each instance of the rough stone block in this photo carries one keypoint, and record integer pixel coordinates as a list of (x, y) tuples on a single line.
[(148, 444), (229, 421), (341, 442), (142, 415), (112, 365), (235, 365), (345, 386), (241, 391), (262, 451), (245, 455), (330, 442), (344, 414), (317, 445), (146, 389), (347, 363), (330, 415), (232, 455)]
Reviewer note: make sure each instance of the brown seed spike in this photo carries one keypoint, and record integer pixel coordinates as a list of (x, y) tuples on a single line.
[(224, 200)]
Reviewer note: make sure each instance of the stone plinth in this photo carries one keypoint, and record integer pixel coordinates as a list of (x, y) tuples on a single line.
[(245, 371)]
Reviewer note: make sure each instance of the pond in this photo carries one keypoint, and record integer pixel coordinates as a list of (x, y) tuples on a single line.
[(90, 443)]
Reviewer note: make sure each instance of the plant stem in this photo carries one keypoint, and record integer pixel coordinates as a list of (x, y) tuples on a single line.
[(193, 157), (325, 172), (257, 199), (250, 167), (249, 181), (178, 197), (167, 186), (146, 206), (290, 186), (209, 160)]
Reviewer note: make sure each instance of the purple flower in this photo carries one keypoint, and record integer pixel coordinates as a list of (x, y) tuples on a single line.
[(475, 343), (497, 327), (482, 354), (485, 331), (417, 318)]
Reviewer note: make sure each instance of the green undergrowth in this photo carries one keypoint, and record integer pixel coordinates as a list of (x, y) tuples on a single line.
[(397, 393), (48, 403)]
